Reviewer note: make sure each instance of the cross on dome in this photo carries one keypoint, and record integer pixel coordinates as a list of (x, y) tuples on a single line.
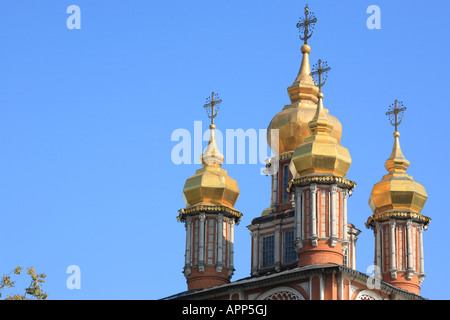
[(306, 24), (212, 103), (396, 114), (320, 72)]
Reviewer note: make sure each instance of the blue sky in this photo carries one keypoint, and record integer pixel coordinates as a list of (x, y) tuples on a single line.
[(86, 117)]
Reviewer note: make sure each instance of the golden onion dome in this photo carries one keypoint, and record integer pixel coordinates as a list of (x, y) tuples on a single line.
[(211, 185), (397, 190), (320, 153), (292, 121)]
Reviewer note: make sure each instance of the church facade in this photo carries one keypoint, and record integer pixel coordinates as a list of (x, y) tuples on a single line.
[(303, 246)]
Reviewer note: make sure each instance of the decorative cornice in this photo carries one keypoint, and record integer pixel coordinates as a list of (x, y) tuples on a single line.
[(286, 155), (397, 214), (279, 157), (183, 213), (321, 179), (288, 275)]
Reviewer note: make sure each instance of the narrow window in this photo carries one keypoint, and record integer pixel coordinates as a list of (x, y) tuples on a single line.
[(288, 246), (211, 237), (195, 249), (307, 214), (267, 251), (386, 248), (400, 247), (323, 213)]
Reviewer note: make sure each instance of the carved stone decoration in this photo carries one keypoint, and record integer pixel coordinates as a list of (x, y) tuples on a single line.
[(282, 293), (367, 295)]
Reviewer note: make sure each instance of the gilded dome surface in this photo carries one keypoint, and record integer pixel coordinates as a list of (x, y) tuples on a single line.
[(321, 153), (292, 121), (397, 190), (211, 184)]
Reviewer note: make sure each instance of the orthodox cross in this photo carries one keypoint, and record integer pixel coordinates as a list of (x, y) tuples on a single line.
[(212, 103), (395, 113), (320, 71), (305, 24)]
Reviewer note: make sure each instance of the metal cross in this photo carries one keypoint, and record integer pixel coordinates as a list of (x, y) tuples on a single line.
[(320, 71), (305, 24), (212, 103), (395, 113)]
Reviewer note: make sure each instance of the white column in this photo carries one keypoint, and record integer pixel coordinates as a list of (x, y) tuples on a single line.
[(310, 288), (379, 245), (333, 191), (201, 242), (275, 191), (298, 216), (187, 258), (392, 229), (313, 189), (255, 251), (410, 270), (344, 215), (421, 258), (231, 245), (188, 254), (322, 287), (341, 286), (277, 252), (354, 251)]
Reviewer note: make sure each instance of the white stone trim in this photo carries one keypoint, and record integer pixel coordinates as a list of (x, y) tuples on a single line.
[(313, 209), (201, 242)]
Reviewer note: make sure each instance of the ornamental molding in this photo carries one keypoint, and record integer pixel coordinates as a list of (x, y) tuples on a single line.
[(321, 179), (183, 214), (286, 155), (345, 194), (383, 216)]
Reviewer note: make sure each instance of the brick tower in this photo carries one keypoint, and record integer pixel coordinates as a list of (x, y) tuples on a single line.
[(209, 217), (319, 166), (397, 201), (307, 211)]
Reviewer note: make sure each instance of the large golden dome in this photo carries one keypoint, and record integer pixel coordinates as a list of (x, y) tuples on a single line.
[(397, 190), (292, 121), (321, 153), (211, 185)]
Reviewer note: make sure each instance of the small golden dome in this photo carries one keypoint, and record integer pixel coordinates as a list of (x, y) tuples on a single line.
[(292, 121), (321, 153), (266, 212), (211, 184), (397, 190)]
